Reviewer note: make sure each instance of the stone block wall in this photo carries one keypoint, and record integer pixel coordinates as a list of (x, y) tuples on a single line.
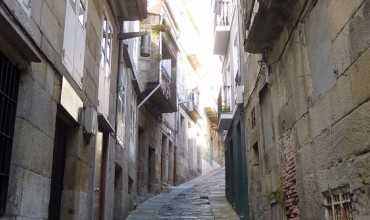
[(39, 96), (320, 97)]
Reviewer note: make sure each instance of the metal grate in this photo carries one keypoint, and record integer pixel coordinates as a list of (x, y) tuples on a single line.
[(9, 80), (338, 205)]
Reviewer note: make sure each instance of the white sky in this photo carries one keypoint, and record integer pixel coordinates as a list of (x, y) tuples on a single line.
[(202, 44), (195, 18)]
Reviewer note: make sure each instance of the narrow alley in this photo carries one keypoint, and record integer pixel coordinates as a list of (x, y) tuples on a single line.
[(185, 109), (202, 198)]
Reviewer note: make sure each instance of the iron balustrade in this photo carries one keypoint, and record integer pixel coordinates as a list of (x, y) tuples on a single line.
[(224, 100), (9, 81), (166, 79), (222, 12)]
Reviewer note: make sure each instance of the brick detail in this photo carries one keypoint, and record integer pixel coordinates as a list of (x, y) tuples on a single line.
[(289, 182)]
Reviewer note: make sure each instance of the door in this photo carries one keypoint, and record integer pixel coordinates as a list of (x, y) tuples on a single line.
[(9, 80), (174, 164), (151, 168), (242, 172), (57, 176), (241, 183), (101, 149)]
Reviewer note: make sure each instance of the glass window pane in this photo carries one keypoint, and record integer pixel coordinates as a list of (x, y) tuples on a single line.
[(81, 11)]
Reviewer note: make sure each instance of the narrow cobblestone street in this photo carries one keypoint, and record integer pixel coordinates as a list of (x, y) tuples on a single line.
[(201, 198)]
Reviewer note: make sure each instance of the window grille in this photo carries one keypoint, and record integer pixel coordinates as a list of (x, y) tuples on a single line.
[(9, 80), (338, 205)]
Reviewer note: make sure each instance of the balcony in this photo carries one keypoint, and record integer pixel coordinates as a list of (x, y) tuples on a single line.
[(191, 105), (157, 68), (225, 111), (222, 21), (130, 10)]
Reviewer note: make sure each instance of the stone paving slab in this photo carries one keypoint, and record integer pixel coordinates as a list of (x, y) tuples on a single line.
[(202, 198)]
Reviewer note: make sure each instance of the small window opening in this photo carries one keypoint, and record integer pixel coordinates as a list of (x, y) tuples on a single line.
[(338, 204), (117, 177), (130, 184), (253, 118), (256, 155)]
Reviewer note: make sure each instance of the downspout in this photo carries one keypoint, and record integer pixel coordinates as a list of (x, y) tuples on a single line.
[(118, 78), (123, 36)]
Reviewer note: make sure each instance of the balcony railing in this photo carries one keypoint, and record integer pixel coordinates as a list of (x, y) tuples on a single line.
[(224, 108), (222, 13), (165, 79), (224, 100), (191, 104), (222, 23)]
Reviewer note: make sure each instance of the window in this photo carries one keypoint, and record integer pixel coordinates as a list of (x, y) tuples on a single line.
[(181, 121), (236, 56), (238, 79), (106, 44), (256, 155), (9, 80), (133, 119), (75, 38), (338, 204), (266, 116), (81, 11), (253, 118), (105, 68), (121, 95)]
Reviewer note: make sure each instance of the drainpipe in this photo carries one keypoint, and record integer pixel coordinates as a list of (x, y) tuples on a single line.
[(118, 78), (123, 36)]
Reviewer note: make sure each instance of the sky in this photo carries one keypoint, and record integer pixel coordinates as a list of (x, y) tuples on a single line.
[(195, 19)]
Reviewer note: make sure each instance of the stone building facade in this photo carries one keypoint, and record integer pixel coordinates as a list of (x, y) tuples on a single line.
[(72, 125), (306, 73), (168, 155)]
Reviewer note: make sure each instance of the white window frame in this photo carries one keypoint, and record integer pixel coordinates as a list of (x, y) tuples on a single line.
[(74, 42), (105, 65), (106, 44)]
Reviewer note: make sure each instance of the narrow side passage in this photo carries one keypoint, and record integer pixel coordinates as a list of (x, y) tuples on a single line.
[(201, 198)]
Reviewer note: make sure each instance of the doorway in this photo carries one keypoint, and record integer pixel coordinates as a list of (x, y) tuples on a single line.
[(170, 163), (118, 187), (140, 161), (9, 83), (101, 154), (58, 167), (163, 159), (174, 164), (151, 168)]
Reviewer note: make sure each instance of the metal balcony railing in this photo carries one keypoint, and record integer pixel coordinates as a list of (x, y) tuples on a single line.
[(224, 100), (166, 77), (222, 13)]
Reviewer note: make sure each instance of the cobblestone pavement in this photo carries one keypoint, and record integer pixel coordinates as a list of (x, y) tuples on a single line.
[(202, 198)]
